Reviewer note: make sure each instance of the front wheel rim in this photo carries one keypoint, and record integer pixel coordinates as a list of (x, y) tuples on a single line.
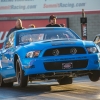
[(18, 74), (18, 78)]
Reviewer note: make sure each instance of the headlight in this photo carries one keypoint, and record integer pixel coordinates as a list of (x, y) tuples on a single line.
[(32, 54), (92, 50)]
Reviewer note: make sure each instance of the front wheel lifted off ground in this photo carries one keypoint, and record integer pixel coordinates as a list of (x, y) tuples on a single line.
[(21, 79), (94, 75), (65, 80)]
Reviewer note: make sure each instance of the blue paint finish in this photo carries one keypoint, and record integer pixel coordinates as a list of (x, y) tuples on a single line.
[(36, 65)]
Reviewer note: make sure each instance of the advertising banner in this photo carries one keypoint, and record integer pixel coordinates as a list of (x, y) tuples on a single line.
[(47, 6), (84, 31)]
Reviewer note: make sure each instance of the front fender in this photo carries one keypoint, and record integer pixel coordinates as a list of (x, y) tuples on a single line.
[(20, 54)]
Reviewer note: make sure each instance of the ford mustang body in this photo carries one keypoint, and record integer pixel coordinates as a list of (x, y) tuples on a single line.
[(47, 53)]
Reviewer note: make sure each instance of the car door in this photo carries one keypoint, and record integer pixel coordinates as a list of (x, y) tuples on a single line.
[(7, 58)]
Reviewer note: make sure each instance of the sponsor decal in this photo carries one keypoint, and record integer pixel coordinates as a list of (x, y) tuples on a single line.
[(68, 65), (65, 59), (64, 4)]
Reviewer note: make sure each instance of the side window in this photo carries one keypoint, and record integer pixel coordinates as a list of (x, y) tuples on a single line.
[(6, 44), (10, 41)]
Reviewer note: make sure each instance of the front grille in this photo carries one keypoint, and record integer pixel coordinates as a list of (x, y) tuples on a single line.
[(58, 65), (64, 51)]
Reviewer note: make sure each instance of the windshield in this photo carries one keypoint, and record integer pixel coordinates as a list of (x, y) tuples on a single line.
[(45, 34)]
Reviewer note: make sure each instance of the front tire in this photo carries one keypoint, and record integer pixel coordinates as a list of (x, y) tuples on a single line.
[(65, 80), (2, 84), (21, 79), (94, 76)]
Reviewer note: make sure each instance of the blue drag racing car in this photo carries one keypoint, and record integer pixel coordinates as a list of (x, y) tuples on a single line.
[(47, 53)]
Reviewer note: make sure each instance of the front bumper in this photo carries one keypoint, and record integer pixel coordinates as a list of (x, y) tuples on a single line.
[(43, 65)]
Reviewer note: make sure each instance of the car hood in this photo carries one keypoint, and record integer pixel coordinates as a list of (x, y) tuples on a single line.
[(40, 45)]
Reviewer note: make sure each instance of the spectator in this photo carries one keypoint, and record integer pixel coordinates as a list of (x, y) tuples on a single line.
[(18, 26), (52, 21), (31, 26)]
